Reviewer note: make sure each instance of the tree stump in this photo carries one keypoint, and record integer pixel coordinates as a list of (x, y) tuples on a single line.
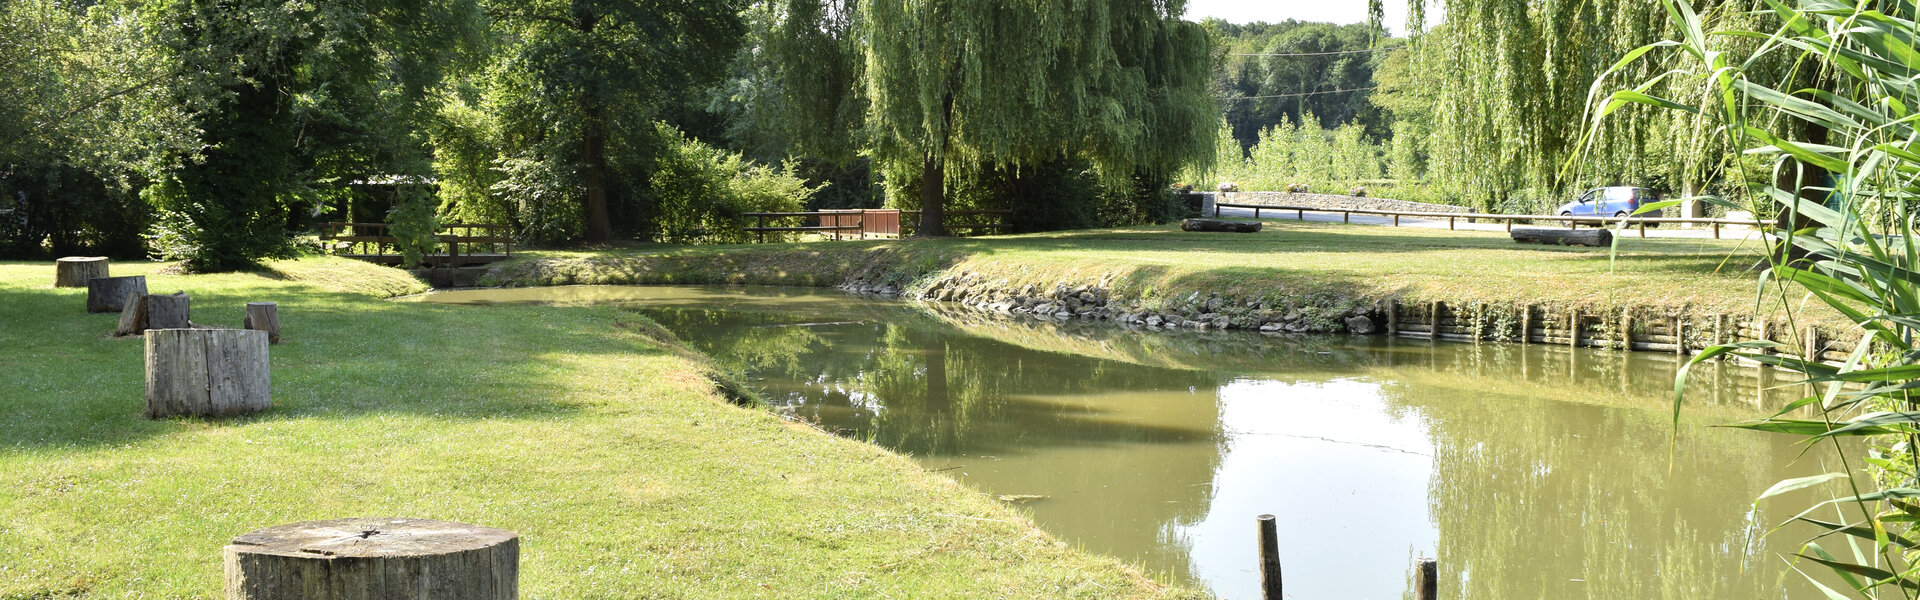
[(374, 559), (75, 271), (109, 294), (168, 312), (207, 373), (133, 316), (1219, 225), (264, 316), (1562, 237)]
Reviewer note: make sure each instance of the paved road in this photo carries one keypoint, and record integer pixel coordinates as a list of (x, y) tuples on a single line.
[(1668, 230)]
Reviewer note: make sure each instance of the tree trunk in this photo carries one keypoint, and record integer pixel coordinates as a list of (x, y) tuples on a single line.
[(168, 312), (109, 294), (207, 373), (1564, 237), (933, 178), (933, 198), (74, 271), (374, 559), (1220, 226), (264, 316), (593, 143), (594, 175)]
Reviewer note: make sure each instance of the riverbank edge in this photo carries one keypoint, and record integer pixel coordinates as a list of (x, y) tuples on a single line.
[(1055, 291)]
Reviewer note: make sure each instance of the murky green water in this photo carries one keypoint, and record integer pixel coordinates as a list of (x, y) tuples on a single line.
[(1530, 472)]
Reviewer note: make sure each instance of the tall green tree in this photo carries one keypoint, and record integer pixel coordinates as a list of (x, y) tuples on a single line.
[(579, 81), (949, 89), (306, 97)]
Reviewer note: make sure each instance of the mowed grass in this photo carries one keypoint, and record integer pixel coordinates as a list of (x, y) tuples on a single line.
[(1157, 264), (607, 449)]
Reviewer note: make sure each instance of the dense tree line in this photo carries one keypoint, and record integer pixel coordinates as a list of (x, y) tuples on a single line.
[(216, 131)]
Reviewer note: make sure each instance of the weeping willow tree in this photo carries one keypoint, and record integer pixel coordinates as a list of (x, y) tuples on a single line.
[(1510, 82), (943, 90)]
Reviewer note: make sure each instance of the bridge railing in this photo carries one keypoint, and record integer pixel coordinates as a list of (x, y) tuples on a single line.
[(858, 224), (464, 243), (1572, 222)]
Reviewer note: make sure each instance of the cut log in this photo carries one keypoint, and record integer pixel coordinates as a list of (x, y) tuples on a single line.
[(75, 271), (374, 559), (1561, 237), (133, 316), (1219, 225), (168, 311), (264, 316), (109, 294), (207, 373)]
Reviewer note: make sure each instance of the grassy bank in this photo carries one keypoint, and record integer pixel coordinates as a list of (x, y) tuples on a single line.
[(1290, 263), (608, 450)]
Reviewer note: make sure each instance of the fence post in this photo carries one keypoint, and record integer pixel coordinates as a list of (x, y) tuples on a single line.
[(1346, 216), (1269, 559), (1396, 219), (1716, 230), (1300, 214), (1426, 576), (1449, 223)]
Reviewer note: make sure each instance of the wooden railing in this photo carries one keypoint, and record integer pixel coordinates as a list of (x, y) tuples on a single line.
[(465, 243), (856, 224), (1572, 222)]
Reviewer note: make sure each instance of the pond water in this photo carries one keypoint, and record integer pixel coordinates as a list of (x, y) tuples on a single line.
[(1528, 471)]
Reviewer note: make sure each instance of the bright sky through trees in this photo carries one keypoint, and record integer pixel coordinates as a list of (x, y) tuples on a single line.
[(1331, 11)]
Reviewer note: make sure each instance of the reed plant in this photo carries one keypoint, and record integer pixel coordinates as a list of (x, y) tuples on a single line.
[(1838, 126)]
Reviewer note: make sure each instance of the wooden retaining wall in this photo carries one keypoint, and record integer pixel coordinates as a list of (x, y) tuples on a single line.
[(1618, 329)]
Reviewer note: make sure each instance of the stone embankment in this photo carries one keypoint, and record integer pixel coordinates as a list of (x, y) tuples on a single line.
[(1093, 301), (1655, 329), (1326, 201)]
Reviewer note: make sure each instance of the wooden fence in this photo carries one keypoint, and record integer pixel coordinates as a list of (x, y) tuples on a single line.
[(1572, 222), (859, 224), (465, 244)]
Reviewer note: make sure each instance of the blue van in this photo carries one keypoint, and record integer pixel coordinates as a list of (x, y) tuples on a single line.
[(1618, 201)]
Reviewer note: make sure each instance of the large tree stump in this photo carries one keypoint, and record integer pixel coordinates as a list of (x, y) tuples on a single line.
[(1219, 225), (172, 311), (374, 559), (1563, 237), (207, 372), (264, 316), (109, 294), (75, 271)]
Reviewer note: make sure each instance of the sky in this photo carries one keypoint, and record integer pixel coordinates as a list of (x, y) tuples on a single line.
[(1332, 11)]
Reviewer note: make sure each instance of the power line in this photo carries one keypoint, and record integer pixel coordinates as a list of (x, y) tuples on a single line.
[(1304, 94), (1326, 53)]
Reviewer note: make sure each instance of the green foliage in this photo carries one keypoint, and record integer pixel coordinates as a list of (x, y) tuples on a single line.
[(572, 83), (1844, 148), (416, 224), (950, 90), (701, 192), (1262, 92)]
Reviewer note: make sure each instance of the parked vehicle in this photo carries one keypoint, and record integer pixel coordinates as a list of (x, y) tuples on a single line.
[(1617, 201)]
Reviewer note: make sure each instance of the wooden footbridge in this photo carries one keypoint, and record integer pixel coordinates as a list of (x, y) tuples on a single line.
[(462, 244)]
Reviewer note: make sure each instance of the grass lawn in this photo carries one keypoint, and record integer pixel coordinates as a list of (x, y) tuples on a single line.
[(1150, 266), (602, 444)]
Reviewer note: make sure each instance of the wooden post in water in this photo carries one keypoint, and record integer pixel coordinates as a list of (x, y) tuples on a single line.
[(1393, 319), (1626, 330), (1426, 580), (1526, 324), (1269, 559), (1573, 328), (1433, 332), (1812, 341)]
